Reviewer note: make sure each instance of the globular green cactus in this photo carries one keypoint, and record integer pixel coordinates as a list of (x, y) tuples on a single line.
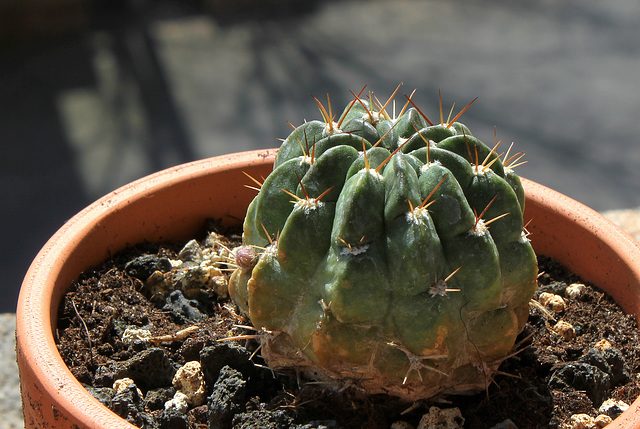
[(388, 253)]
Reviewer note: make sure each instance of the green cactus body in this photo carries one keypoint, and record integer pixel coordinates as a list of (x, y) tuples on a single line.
[(385, 270)]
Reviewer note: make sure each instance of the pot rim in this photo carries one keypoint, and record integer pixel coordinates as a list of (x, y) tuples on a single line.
[(38, 304)]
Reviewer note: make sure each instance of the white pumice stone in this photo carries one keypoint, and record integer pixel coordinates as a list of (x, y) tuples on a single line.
[(555, 302), (565, 329), (131, 335), (179, 403), (574, 290), (189, 380), (447, 418)]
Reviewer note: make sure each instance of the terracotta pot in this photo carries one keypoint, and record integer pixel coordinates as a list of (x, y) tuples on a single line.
[(171, 205)]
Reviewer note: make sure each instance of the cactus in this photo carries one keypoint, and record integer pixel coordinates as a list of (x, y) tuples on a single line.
[(387, 253)]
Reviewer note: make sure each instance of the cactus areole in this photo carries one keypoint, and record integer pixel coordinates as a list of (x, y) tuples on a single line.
[(388, 253)]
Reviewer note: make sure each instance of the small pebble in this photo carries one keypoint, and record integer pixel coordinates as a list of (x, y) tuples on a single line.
[(191, 252), (575, 290), (122, 384), (611, 361), (565, 329), (151, 368), (131, 335), (185, 310), (554, 302), (172, 418), (581, 421), (594, 382), (179, 403), (602, 420), (613, 408), (190, 381), (145, 265), (228, 398), (156, 398), (220, 286), (436, 418), (602, 345)]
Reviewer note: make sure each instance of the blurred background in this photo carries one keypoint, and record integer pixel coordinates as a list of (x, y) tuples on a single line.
[(95, 93)]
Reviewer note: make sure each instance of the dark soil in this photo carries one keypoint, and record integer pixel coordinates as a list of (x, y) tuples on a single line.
[(548, 378)]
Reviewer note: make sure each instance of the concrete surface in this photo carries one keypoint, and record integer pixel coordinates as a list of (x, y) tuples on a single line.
[(152, 84)]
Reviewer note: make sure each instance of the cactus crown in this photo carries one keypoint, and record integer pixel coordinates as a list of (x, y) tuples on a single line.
[(393, 253)]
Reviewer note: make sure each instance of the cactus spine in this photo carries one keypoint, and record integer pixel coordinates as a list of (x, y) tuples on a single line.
[(391, 253)]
